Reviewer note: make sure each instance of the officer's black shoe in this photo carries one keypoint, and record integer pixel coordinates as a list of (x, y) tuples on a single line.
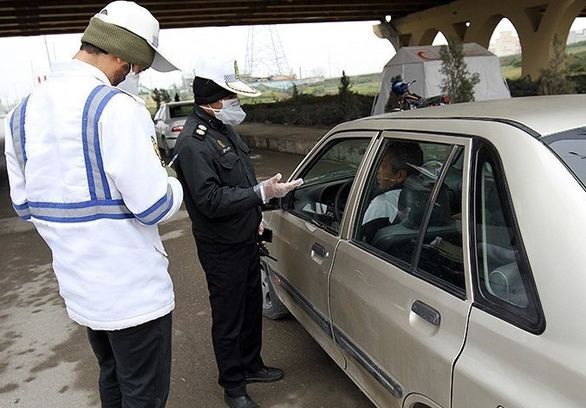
[(243, 401), (265, 375)]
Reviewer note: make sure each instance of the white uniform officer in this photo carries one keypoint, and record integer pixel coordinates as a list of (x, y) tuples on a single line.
[(82, 168)]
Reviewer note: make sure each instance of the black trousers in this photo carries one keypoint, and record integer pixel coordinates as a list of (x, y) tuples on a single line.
[(135, 364), (233, 277)]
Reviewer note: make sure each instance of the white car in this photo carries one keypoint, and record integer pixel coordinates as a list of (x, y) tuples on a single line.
[(467, 288), (169, 120)]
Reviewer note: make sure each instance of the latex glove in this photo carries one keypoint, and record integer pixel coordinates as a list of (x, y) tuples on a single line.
[(273, 188), (261, 228)]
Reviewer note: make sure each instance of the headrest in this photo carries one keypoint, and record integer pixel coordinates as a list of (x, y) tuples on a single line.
[(413, 203)]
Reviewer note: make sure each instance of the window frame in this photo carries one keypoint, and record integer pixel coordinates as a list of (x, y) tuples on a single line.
[(457, 141), (490, 303), (322, 149)]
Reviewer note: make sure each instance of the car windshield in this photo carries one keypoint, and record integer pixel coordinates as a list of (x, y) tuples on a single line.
[(570, 147), (179, 111)]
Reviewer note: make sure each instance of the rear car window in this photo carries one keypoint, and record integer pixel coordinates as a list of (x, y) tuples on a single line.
[(179, 111), (570, 147)]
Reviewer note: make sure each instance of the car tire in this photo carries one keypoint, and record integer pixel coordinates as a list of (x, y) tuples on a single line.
[(165, 151), (272, 308)]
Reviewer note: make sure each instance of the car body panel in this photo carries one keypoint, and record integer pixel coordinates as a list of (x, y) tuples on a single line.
[(549, 369)]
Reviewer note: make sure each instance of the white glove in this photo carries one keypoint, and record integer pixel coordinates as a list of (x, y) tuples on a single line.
[(271, 188)]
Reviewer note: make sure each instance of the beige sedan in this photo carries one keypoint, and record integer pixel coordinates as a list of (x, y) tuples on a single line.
[(436, 254)]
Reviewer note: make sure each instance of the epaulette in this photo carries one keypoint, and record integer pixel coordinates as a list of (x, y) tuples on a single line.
[(200, 132)]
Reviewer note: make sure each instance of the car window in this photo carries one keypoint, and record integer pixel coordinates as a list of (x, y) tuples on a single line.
[(570, 147), (159, 114), (441, 257), (180, 111), (504, 277), (327, 183), (394, 204)]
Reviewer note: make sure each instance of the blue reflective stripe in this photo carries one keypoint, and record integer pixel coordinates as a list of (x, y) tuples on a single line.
[(22, 210), (22, 130), (86, 155), (93, 109), (83, 219), (74, 212), (158, 210), (162, 213), (18, 133), (97, 150), (81, 204)]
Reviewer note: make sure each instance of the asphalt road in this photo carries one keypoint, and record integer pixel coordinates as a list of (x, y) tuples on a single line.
[(46, 362)]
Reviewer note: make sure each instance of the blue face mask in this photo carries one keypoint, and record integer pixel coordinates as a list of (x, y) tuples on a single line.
[(230, 113)]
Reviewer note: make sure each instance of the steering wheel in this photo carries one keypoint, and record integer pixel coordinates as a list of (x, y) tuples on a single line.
[(341, 198)]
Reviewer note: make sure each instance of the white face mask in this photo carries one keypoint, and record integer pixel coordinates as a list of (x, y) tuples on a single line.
[(130, 83), (231, 113)]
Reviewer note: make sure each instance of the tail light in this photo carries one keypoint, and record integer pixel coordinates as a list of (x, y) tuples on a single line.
[(446, 99), (177, 128)]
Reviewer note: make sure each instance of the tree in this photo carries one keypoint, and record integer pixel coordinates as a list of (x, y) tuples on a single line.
[(344, 88), (295, 92), (160, 96), (457, 82), (555, 78), (346, 97), (157, 97)]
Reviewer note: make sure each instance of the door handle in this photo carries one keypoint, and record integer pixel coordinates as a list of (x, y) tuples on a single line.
[(426, 312), (319, 250)]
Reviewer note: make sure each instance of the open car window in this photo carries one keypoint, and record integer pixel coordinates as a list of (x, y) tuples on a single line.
[(327, 182)]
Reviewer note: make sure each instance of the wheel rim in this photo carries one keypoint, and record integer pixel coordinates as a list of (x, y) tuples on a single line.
[(266, 294)]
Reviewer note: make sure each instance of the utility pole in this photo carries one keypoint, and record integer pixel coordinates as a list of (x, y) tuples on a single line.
[(47, 51)]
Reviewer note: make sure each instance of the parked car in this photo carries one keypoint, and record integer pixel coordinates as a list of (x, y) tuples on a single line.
[(472, 295), (169, 121)]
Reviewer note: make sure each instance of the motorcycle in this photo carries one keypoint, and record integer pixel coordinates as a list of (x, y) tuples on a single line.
[(409, 100)]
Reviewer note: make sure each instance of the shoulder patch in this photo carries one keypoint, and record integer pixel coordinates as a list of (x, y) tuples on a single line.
[(157, 150), (200, 132)]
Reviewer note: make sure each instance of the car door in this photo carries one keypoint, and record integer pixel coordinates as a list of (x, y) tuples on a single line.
[(307, 232), (399, 295), (508, 360)]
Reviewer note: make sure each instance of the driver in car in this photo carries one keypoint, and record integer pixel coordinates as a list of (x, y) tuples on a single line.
[(400, 161)]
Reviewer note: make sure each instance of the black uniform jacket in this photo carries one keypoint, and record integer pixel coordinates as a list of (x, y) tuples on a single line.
[(214, 167)]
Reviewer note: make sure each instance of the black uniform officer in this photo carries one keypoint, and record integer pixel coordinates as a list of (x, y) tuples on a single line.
[(223, 199)]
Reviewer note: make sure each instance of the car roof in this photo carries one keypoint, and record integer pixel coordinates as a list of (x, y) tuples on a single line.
[(190, 102), (539, 116)]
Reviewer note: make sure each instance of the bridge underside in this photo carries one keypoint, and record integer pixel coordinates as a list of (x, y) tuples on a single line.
[(413, 22), (26, 17)]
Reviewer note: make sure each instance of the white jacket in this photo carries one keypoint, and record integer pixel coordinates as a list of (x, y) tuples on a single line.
[(85, 172)]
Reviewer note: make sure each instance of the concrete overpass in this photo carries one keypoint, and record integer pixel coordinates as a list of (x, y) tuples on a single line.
[(413, 22), (536, 22)]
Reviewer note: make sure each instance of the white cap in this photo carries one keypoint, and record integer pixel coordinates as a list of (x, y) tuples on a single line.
[(137, 20), (225, 74)]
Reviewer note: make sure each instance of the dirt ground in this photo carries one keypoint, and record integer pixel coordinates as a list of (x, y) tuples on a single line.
[(46, 361)]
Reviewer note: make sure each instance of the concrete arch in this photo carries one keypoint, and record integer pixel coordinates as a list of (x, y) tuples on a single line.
[(536, 22), (482, 28), (425, 37)]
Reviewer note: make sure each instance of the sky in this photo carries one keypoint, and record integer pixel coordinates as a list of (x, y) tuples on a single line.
[(318, 49)]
